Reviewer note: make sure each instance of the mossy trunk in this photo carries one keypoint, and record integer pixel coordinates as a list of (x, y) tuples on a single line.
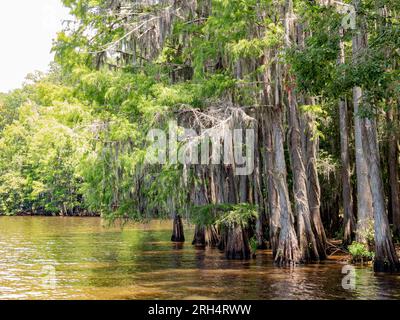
[(237, 245), (177, 230)]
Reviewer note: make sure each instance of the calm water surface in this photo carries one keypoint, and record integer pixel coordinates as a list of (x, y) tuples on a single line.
[(93, 261)]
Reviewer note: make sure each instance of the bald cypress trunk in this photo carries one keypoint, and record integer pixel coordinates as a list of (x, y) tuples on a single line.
[(257, 191), (348, 215), (305, 234), (212, 237), (313, 187), (287, 247), (177, 230), (273, 200), (268, 160), (393, 163), (206, 236), (364, 196), (283, 238), (199, 198), (348, 211), (385, 254), (386, 259), (237, 243), (199, 238)]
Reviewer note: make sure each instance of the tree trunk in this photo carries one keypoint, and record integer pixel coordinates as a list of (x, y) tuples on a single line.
[(393, 170), (177, 232), (257, 190), (313, 187), (205, 236), (364, 197), (223, 238), (348, 215), (199, 198), (348, 209), (386, 259), (305, 234), (237, 244), (260, 223), (273, 200), (282, 234), (212, 237), (287, 251), (385, 254), (199, 239), (268, 159)]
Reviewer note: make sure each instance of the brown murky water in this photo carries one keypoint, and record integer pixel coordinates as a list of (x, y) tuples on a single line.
[(79, 258)]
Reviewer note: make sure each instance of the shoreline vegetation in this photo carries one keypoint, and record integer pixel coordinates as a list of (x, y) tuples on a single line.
[(316, 92)]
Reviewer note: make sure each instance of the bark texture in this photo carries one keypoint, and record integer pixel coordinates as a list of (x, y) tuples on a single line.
[(177, 231), (349, 222), (348, 215), (364, 196), (237, 244), (386, 259), (393, 170)]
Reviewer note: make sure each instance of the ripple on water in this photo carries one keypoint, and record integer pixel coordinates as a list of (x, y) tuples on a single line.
[(95, 262)]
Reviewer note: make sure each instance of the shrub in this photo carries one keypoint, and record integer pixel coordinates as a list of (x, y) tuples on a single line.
[(253, 245), (360, 253)]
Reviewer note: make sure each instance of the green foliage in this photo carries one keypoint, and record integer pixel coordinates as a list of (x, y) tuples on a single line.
[(314, 65), (43, 137), (239, 214), (76, 137), (224, 215), (253, 245), (38, 157), (360, 253), (206, 215), (368, 233)]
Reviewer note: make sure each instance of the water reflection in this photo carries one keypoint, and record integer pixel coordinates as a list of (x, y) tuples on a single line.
[(139, 262)]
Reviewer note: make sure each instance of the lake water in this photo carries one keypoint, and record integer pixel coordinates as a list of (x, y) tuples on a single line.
[(81, 258)]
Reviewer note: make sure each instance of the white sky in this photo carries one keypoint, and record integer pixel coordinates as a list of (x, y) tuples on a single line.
[(27, 28)]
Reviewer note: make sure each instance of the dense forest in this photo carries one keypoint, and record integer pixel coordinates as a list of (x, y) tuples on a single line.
[(317, 82)]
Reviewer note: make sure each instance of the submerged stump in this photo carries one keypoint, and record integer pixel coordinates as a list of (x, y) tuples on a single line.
[(177, 231)]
